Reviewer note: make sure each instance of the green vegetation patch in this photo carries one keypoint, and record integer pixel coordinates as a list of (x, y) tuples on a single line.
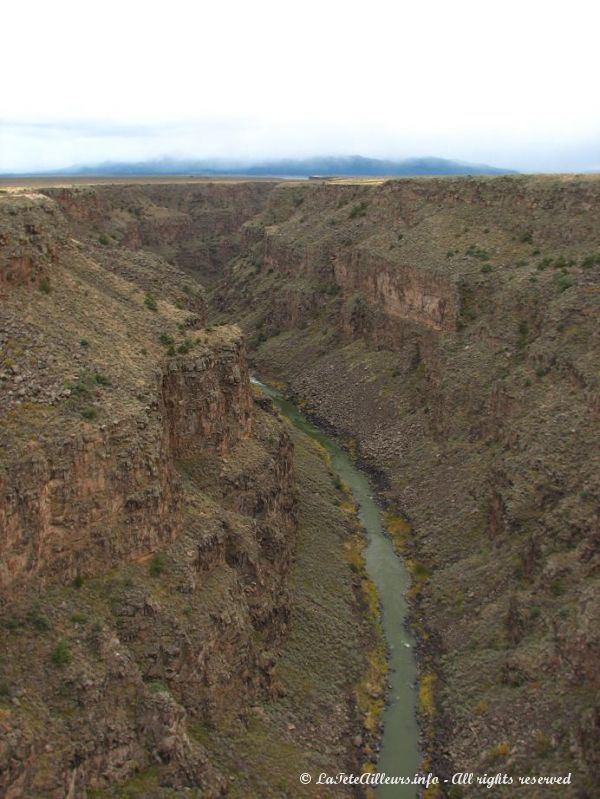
[(150, 302), (61, 654), (359, 210)]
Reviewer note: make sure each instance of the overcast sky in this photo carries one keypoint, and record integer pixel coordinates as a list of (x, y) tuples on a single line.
[(513, 83)]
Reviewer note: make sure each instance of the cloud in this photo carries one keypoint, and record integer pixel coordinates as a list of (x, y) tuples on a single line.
[(510, 84)]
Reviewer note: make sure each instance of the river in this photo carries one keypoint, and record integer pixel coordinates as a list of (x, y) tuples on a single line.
[(400, 755)]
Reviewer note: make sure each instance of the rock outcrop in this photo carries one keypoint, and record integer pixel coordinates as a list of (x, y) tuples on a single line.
[(32, 235)]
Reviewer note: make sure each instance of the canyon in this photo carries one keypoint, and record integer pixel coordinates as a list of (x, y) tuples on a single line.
[(158, 517)]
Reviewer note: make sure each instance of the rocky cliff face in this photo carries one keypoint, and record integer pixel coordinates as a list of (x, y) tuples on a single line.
[(196, 226), (33, 235), (57, 500), (207, 400)]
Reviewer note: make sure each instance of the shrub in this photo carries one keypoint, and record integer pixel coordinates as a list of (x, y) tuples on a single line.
[(157, 566), (166, 340), (38, 619), (358, 210), (469, 314), (85, 383), (544, 263), (45, 287), (150, 302), (79, 387), (487, 268), (591, 260), (77, 581), (156, 687), (88, 413), (84, 342), (523, 333), (477, 252), (427, 694), (499, 751), (103, 239), (565, 282), (61, 655), (185, 347), (420, 571), (543, 744)]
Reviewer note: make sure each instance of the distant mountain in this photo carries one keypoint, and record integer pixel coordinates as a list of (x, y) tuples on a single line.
[(353, 165)]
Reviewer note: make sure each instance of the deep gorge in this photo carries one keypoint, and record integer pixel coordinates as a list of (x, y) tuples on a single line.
[(446, 329)]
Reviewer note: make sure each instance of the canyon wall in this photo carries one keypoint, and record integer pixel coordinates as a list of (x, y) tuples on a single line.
[(197, 226), (33, 235), (448, 327), (60, 497), (147, 519)]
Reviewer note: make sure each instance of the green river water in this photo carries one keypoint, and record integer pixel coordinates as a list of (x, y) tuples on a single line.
[(400, 755)]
